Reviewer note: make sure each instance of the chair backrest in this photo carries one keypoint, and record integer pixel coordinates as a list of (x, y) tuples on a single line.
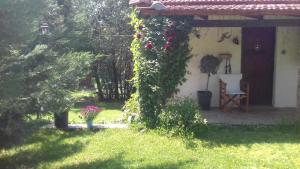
[(232, 81)]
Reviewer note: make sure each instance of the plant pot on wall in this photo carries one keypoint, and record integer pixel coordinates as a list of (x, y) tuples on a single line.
[(204, 99), (61, 120)]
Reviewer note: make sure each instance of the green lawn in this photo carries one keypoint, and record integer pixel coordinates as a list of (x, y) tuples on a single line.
[(111, 111), (220, 147)]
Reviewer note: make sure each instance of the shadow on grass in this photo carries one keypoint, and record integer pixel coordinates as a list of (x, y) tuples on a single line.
[(118, 162), (247, 135), (26, 130), (48, 145)]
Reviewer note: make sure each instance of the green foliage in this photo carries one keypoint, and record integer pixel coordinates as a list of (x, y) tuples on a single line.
[(111, 36), (70, 68), (11, 117), (55, 101), (18, 23), (131, 106), (182, 117), (38, 71), (160, 54), (51, 77)]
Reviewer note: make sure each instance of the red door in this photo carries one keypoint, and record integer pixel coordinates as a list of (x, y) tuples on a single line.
[(258, 63)]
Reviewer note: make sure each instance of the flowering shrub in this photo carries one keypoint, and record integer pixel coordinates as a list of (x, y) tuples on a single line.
[(160, 54), (89, 112)]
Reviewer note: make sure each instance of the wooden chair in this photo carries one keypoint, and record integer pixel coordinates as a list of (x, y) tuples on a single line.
[(233, 92)]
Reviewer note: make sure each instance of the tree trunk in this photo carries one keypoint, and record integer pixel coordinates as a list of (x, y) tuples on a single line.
[(208, 76), (115, 79), (98, 83)]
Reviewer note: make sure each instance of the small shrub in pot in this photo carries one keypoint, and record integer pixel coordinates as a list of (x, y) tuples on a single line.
[(209, 65)]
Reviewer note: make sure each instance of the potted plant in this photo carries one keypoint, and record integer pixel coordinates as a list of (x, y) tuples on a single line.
[(89, 113), (209, 65)]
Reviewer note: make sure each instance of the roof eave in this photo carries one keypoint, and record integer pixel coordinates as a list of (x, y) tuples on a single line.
[(148, 11), (140, 2)]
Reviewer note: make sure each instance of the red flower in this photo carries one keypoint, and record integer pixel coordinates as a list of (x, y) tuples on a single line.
[(167, 46), (170, 39), (149, 45), (166, 33)]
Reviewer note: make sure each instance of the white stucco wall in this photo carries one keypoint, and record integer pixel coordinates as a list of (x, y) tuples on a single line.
[(208, 44), (285, 73), (286, 67)]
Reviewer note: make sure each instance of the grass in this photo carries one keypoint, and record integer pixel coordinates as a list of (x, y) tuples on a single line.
[(111, 111), (219, 147)]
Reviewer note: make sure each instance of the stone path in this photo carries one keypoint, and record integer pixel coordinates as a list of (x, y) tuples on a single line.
[(96, 126), (256, 116)]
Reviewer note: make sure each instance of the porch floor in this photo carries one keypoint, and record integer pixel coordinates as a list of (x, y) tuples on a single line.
[(255, 116)]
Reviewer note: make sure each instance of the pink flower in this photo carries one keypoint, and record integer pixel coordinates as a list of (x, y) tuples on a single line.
[(149, 45), (89, 112)]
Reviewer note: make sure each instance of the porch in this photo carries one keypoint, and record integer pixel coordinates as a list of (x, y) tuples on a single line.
[(257, 115)]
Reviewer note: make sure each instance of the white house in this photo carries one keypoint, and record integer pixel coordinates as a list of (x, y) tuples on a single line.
[(263, 37)]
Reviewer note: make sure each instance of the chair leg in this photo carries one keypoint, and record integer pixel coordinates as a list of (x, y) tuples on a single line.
[(247, 103), (244, 104)]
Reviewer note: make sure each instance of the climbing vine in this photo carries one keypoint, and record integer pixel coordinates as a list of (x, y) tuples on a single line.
[(160, 54)]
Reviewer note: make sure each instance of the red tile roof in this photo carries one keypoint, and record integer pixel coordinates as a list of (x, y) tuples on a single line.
[(221, 7)]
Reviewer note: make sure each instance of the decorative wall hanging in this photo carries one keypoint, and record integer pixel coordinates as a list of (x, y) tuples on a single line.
[(236, 40), (258, 45), (196, 33), (227, 57), (224, 36)]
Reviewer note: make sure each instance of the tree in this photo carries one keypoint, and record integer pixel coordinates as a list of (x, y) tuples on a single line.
[(34, 65), (111, 37), (38, 71), (17, 30)]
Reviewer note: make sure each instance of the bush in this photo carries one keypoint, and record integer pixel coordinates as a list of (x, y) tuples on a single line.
[(160, 54), (182, 117), (131, 107), (12, 120)]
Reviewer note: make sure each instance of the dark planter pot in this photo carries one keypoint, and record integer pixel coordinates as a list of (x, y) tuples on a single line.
[(204, 98), (61, 120)]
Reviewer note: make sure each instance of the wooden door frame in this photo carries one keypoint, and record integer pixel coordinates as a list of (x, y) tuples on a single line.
[(274, 58)]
